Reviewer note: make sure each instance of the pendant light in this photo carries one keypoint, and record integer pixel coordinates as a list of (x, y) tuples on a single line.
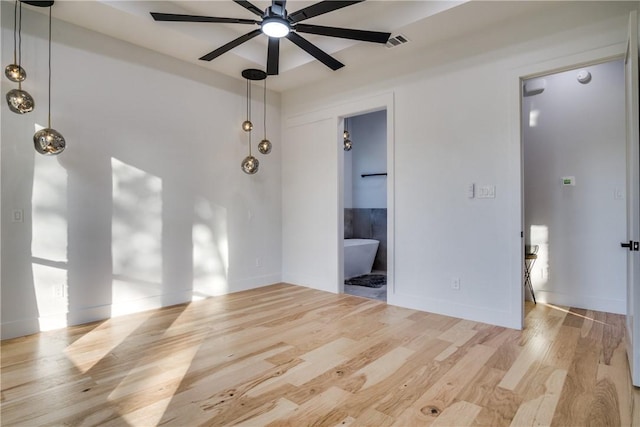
[(348, 145), (19, 101), (49, 141), (15, 72), (250, 164), (265, 145)]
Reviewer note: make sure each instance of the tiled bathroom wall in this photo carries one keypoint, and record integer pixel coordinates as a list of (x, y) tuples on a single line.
[(368, 224)]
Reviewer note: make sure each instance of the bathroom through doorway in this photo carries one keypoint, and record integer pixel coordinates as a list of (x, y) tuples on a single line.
[(365, 205)]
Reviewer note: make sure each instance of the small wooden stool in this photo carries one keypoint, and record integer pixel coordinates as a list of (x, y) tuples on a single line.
[(530, 257)]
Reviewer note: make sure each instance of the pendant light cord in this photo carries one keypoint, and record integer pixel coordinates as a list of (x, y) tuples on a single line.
[(249, 111), (264, 108), (15, 27), (19, 40), (49, 112), (20, 37)]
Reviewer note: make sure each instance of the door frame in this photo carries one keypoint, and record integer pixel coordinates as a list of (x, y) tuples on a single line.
[(516, 152), (632, 324), (377, 103)]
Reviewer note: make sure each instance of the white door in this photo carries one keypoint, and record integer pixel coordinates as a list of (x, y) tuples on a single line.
[(633, 201)]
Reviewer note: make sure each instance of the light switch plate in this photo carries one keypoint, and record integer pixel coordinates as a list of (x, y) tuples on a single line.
[(471, 191), (487, 192)]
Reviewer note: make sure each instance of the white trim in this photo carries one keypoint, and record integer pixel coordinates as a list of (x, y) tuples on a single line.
[(19, 328)]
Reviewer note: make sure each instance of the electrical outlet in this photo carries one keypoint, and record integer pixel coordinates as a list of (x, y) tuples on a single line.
[(59, 291), (455, 283), (18, 215), (258, 262)]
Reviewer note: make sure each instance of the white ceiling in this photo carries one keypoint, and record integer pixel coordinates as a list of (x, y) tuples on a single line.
[(131, 21)]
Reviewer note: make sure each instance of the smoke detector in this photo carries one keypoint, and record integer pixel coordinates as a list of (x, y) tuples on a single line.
[(584, 76)]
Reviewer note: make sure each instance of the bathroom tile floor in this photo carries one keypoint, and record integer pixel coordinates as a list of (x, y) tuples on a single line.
[(379, 294)]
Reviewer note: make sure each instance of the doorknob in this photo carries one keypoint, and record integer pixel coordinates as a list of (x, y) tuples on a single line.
[(633, 246)]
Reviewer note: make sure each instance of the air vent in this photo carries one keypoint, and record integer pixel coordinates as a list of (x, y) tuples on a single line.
[(397, 40)]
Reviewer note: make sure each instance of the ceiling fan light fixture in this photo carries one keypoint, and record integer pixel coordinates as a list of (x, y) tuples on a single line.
[(276, 26)]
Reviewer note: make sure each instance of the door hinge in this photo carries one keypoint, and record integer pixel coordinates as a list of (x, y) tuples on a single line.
[(633, 246)]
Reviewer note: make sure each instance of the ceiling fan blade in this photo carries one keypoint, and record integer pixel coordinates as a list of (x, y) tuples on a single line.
[(172, 17), (323, 7), (315, 51), (273, 56), (227, 47), (345, 33), (250, 7)]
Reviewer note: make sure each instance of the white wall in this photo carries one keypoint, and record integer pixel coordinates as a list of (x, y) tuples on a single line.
[(369, 155), (453, 126), (147, 206), (575, 129)]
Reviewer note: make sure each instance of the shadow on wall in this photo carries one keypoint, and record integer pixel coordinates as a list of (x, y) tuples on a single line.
[(368, 224), (159, 245), (147, 206)]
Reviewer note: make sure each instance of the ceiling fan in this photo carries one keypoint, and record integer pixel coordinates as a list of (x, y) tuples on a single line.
[(277, 23)]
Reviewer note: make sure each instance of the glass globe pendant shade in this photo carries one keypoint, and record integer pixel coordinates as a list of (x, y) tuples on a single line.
[(250, 165), (247, 126), (49, 142), (20, 102), (264, 146), (15, 73), (348, 145)]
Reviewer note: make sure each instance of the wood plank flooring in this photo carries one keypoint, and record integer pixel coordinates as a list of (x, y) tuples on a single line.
[(288, 355)]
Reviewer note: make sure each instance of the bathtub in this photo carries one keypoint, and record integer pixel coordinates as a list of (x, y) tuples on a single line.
[(359, 255)]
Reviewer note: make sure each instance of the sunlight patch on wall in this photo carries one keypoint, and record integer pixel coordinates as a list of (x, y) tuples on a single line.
[(49, 242), (210, 250), (136, 238), (539, 235), (533, 118)]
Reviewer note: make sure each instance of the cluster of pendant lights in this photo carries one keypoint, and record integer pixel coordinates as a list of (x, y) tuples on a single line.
[(250, 164), (47, 141), (348, 145)]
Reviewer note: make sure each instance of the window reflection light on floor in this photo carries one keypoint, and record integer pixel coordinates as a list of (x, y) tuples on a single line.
[(573, 313)]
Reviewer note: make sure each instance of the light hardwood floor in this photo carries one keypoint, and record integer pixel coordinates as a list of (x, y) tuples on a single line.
[(288, 355)]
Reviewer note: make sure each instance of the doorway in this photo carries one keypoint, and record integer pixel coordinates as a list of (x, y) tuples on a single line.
[(365, 204), (574, 185)]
